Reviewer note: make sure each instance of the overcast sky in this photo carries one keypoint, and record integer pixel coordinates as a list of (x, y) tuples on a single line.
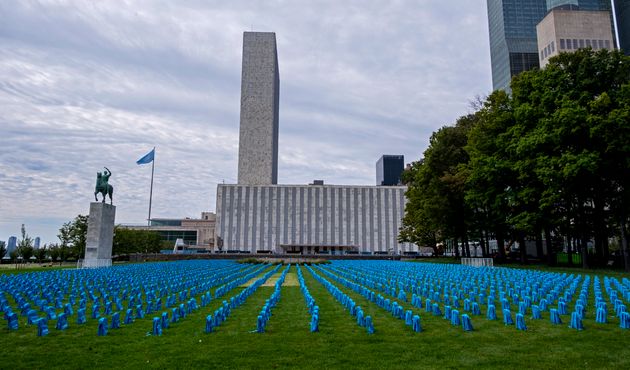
[(87, 84)]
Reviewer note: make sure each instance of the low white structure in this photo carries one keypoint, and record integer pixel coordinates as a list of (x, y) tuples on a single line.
[(478, 262), (309, 219), (94, 263)]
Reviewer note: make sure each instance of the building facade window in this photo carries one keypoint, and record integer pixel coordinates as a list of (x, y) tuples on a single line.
[(562, 44)]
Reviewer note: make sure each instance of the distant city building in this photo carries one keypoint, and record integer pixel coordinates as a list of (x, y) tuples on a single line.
[(311, 219), (199, 232), (622, 16), (579, 4), (36, 242), (568, 30), (11, 244), (260, 94), (513, 38), (513, 43), (388, 170), (258, 216)]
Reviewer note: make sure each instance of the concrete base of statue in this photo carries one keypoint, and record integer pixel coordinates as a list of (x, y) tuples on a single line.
[(100, 236)]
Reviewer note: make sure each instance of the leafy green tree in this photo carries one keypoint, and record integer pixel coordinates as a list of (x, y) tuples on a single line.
[(66, 252), (14, 254), (54, 252), (73, 236), (25, 246), (573, 144), (553, 158), (491, 174), (417, 227), (436, 203), (128, 241), (41, 254)]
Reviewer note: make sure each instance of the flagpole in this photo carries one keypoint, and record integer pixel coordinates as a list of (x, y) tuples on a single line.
[(151, 191)]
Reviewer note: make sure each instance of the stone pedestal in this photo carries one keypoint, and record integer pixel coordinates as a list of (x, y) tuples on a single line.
[(100, 235)]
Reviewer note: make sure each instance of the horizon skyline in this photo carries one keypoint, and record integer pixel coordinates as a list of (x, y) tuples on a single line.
[(96, 85)]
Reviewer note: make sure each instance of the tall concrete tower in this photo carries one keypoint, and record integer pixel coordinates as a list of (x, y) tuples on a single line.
[(260, 92)]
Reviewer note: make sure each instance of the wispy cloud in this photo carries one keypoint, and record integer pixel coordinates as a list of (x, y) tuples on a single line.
[(87, 84)]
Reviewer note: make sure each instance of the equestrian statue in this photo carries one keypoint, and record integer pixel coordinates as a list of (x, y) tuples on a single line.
[(103, 186)]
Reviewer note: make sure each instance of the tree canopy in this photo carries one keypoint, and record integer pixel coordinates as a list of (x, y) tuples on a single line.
[(128, 241), (552, 159)]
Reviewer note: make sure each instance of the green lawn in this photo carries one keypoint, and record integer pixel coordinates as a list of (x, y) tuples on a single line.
[(35, 267), (341, 343)]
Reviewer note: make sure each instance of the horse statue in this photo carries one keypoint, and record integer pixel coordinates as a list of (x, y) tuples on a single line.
[(103, 186)]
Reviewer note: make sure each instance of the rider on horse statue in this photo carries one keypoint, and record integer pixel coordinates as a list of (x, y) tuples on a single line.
[(103, 186)]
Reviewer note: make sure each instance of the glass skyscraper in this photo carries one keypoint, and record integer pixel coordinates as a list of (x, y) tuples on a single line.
[(512, 25), (622, 12), (580, 4), (513, 43), (389, 168)]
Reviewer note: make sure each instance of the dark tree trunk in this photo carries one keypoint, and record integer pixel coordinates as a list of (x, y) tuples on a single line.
[(584, 250), (501, 246), (551, 255), (600, 232), (539, 244), (467, 246), (624, 245), (523, 249), (569, 252), (486, 244), (456, 248), (606, 252)]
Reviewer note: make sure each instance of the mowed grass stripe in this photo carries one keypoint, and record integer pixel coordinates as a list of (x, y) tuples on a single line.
[(533, 326), (435, 344), (291, 313), (340, 344), (287, 337), (80, 342), (229, 341), (430, 324), (504, 345), (383, 320)]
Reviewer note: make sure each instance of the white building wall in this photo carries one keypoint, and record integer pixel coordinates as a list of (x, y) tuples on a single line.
[(253, 218)]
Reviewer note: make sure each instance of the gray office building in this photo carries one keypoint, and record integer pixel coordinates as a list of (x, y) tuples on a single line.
[(622, 15), (513, 43), (11, 244), (260, 93), (579, 4), (335, 219), (389, 168), (258, 216)]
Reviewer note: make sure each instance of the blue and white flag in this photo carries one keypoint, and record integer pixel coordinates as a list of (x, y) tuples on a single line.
[(148, 158)]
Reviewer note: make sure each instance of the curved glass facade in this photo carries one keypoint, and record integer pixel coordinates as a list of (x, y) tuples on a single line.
[(622, 11), (513, 43), (512, 25)]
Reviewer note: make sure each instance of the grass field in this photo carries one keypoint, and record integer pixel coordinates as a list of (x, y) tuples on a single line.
[(340, 343)]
